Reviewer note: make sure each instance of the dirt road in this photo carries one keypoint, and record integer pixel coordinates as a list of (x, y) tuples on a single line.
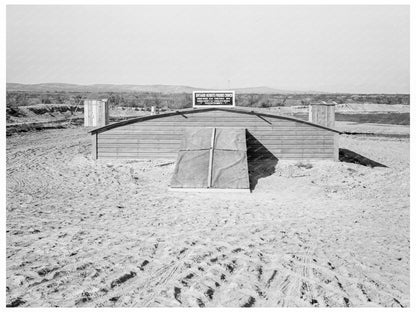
[(110, 233)]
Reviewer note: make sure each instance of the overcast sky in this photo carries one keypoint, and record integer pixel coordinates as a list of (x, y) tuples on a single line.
[(323, 48)]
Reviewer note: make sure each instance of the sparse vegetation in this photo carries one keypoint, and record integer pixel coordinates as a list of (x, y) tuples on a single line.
[(304, 165), (184, 100)]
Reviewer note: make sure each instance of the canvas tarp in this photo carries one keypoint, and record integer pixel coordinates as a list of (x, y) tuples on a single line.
[(233, 139), (212, 158), (196, 139), (229, 170), (191, 169)]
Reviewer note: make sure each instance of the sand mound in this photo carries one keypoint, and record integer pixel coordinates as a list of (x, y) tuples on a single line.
[(109, 233)]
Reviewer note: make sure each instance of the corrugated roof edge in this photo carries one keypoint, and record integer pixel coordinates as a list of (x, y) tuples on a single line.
[(201, 110)]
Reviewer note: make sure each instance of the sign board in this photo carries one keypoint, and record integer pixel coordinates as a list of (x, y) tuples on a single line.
[(213, 99)]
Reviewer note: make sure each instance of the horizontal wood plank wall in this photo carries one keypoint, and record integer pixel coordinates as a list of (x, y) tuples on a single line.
[(160, 138)]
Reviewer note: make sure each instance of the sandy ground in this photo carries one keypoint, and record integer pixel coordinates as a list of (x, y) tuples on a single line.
[(110, 233)]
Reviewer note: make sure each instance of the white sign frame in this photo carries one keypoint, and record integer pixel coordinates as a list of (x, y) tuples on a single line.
[(212, 91)]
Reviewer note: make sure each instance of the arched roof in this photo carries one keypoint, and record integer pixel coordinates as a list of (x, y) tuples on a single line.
[(201, 110)]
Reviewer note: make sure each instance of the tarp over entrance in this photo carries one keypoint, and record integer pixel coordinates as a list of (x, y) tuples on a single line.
[(212, 158)]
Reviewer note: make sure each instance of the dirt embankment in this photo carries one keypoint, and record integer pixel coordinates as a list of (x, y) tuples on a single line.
[(42, 116), (42, 112), (57, 116)]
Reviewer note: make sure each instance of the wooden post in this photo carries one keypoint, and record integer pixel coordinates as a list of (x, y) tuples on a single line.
[(94, 148), (107, 114), (211, 158), (336, 146)]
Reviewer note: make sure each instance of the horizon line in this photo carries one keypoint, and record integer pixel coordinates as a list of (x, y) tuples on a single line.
[(205, 88)]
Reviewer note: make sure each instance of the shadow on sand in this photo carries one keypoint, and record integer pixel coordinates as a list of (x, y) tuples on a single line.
[(261, 162), (346, 155)]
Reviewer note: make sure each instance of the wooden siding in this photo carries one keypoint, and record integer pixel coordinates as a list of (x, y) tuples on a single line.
[(161, 137), (95, 113), (322, 114)]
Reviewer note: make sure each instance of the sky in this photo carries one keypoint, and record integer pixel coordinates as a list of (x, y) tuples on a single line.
[(358, 49)]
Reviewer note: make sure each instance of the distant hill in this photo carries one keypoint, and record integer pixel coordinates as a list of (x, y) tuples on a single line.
[(52, 87), (268, 90), (96, 88)]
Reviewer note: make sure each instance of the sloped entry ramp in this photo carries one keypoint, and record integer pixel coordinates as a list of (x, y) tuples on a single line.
[(212, 159)]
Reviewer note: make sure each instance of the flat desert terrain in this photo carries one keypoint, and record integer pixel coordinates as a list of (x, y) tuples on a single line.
[(110, 233)]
